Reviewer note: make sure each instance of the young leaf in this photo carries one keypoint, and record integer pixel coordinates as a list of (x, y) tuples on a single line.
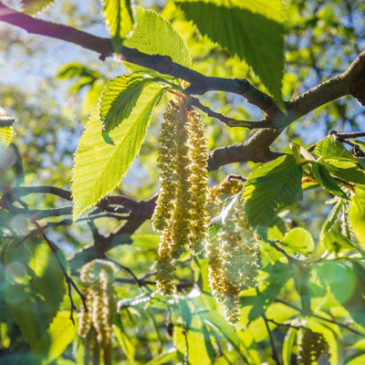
[(329, 149), (346, 171), (119, 17), (299, 240), (251, 35), (120, 97), (357, 215), (61, 333), (155, 35), (33, 7), (271, 186), (323, 177), (100, 166)]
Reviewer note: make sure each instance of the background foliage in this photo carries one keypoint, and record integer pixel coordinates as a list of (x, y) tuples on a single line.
[(80, 123)]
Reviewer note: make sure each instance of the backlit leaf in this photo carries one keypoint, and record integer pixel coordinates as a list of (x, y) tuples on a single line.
[(275, 184), (120, 97), (154, 35), (119, 17), (357, 215), (100, 166), (245, 31)]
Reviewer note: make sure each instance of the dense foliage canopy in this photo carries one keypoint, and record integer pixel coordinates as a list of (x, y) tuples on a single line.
[(182, 182)]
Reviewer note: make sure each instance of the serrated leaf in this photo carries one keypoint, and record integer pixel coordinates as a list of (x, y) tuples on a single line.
[(118, 17), (350, 173), (6, 135), (100, 166), (154, 35), (61, 333), (120, 97), (250, 35), (357, 215), (329, 149), (323, 177), (299, 240), (273, 185), (33, 7)]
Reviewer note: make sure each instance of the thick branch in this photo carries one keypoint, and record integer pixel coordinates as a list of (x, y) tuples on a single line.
[(199, 83)]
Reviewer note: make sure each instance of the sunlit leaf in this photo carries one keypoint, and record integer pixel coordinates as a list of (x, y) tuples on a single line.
[(120, 97), (119, 17), (32, 7), (273, 185), (154, 35), (100, 166), (249, 34), (357, 215), (299, 240)]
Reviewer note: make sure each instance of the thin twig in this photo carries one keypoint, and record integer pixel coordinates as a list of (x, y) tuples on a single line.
[(271, 338), (322, 318), (70, 283), (230, 122)]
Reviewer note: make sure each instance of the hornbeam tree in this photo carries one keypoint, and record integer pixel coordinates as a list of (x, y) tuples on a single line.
[(196, 196)]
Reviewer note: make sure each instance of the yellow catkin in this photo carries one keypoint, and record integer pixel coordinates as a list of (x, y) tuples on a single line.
[(249, 249), (230, 242), (165, 267), (219, 193), (181, 218), (198, 149), (167, 164), (95, 325)]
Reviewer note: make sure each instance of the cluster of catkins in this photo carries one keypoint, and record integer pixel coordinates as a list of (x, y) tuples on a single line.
[(186, 205), (312, 348), (95, 321), (233, 253), (181, 210)]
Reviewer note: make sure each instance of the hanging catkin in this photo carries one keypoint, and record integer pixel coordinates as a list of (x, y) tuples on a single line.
[(198, 149), (233, 254), (95, 324), (181, 211)]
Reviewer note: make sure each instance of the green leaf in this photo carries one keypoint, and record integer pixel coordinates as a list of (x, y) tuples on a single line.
[(244, 31), (357, 215), (76, 69), (218, 323), (100, 166), (197, 351), (124, 342), (288, 345), (61, 333), (323, 177), (164, 358), (119, 18), (299, 240), (339, 278), (350, 173), (155, 35), (120, 97), (271, 186), (33, 7), (329, 149)]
